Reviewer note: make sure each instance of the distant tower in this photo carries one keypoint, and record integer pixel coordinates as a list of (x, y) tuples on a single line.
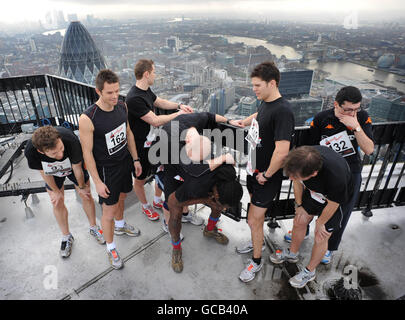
[(80, 59), (221, 102), (214, 103)]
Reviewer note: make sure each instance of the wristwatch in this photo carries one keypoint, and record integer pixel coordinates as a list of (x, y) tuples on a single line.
[(358, 129), (264, 176), (296, 205), (82, 187), (178, 106), (227, 121), (137, 160)]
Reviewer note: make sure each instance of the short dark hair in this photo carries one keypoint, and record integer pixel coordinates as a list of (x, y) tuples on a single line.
[(105, 75), (266, 71), (142, 66), (303, 162), (349, 94), (45, 138)]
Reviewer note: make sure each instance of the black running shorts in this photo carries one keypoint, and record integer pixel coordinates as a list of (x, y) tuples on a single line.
[(118, 179), (61, 180), (315, 208), (263, 195)]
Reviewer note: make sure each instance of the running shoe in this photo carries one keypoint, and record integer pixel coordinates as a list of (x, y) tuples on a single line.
[(150, 213), (66, 247), (158, 205), (283, 255), (247, 247), (115, 259), (302, 278), (249, 273), (128, 230), (327, 258), (97, 233), (193, 219)]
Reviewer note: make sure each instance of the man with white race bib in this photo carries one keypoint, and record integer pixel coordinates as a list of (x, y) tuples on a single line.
[(269, 137), (346, 129), (57, 154), (110, 155), (322, 182)]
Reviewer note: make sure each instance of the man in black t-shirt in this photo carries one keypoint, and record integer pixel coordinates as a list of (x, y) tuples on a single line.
[(322, 182), (346, 129), (141, 101), (270, 134), (57, 154)]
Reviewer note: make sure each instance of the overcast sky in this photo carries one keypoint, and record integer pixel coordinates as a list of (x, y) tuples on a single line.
[(34, 10)]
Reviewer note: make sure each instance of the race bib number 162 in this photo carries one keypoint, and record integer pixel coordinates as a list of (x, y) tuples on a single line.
[(116, 139)]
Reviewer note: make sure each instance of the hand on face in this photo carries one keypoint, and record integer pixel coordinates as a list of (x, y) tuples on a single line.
[(349, 120)]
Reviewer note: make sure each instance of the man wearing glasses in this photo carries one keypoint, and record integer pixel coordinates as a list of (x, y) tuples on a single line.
[(346, 129)]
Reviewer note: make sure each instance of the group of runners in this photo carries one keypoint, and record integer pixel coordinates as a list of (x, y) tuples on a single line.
[(114, 148)]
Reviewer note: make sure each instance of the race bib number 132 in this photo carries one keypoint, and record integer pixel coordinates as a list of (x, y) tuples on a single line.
[(340, 143)]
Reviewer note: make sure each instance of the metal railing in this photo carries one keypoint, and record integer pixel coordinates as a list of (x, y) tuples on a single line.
[(47, 99), (42, 99)]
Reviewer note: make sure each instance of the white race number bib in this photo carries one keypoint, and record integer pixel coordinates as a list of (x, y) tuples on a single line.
[(319, 197), (116, 139), (339, 142), (57, 168)]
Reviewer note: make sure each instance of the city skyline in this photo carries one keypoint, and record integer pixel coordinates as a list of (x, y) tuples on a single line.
[(21, 11)]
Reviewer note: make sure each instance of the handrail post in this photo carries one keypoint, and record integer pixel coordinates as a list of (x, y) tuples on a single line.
[(34, 106)]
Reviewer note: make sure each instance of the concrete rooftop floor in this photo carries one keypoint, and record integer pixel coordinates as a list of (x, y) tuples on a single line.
[(374, 248)]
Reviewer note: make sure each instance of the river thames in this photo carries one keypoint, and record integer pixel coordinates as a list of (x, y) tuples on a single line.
[(337, 70)]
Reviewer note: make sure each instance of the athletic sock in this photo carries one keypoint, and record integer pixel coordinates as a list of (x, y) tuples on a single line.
[(257, 260), (185, 213), (146, 206), (176, 245), (65, 238), (211, 223), (157, 199), (110, 246), (119, 223)]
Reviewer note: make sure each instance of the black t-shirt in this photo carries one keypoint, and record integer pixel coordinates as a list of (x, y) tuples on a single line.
[(176, 130), (72, 152), (276, 123), (110, 134), (326, 124), (334, 181), (139, 103)]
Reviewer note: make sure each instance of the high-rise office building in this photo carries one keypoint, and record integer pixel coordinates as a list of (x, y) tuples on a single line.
[(305, 108), (384, 107), (294, 83), (222, 100), (248, 106), (213, 103), (80, 59)]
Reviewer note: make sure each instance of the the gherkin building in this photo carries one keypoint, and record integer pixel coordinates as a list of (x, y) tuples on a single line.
[(80, 59)]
